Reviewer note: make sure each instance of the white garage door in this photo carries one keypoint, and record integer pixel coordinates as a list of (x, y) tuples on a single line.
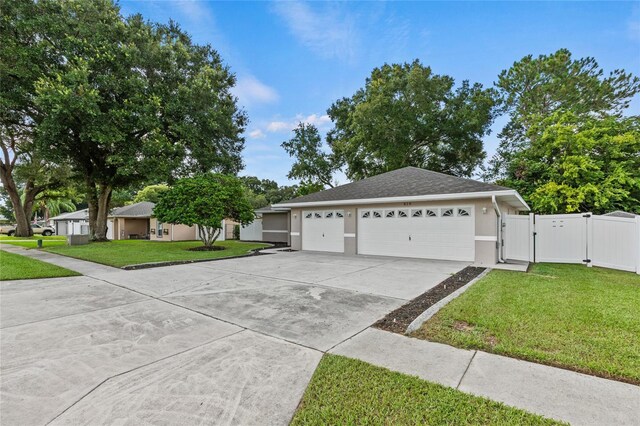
[(323, 230), (431, 233)]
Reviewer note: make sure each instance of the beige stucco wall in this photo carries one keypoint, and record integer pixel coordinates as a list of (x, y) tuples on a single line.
[(485, 224), (176, 232), (275, 227)]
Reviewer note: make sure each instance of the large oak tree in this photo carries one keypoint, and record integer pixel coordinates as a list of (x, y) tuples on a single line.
[(406, 115), (131, 101)]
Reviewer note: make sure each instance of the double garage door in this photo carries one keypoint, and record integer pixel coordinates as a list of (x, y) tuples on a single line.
[(431, 233)]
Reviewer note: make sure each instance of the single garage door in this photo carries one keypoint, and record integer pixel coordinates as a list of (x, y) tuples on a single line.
[(432, 233), (323, 230)]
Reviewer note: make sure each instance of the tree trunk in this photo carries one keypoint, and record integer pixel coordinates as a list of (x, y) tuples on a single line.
[(208, 235), (104, 200), (23, 228), (92, 206)]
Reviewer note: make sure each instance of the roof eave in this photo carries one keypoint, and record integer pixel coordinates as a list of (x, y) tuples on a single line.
[(415, 198)]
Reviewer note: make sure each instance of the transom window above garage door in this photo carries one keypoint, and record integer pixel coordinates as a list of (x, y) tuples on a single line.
[(417, 213), (325, 214)]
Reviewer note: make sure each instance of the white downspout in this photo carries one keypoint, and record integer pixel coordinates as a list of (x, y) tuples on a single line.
[(499, 225)]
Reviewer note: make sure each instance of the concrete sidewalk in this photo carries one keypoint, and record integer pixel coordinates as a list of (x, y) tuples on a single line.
[(552, 392), (82, 266)]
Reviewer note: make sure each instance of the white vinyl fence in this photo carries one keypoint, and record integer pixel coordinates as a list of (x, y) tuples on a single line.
[(607, 241), (252, 232)]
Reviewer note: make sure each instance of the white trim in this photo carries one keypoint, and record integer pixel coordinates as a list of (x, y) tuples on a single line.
[(416, 198), (350, 235), (295, 234), (486, 238), (275, 230)]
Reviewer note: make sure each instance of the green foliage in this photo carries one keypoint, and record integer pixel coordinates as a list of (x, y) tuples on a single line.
[(124, 101), (345, 391), (584, 319), (18, 267), (408, 116), (205, 200), (536, 88), (311, 163), (121, 253), (580, 165), (263, 192), (151, 193)]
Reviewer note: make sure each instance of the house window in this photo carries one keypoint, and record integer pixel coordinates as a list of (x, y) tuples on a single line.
[(377, 213), (366, 215), (447, 212), (416, 213), (430, 213), (403, 213), (160, 229), (328, 215), (317, 215), (464, 212), (390, 213), (339, 214), (308, 215)]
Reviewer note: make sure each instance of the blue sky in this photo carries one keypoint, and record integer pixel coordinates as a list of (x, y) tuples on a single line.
[(294, 59)]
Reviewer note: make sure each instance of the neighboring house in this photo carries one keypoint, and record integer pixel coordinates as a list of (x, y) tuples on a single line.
[(408, 212), (74, 223), (136, 221), (620, 213), (130, 222), (270, 225)]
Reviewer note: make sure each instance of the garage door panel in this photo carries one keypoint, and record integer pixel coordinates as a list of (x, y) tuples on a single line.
[(439, 237), (323, 230)]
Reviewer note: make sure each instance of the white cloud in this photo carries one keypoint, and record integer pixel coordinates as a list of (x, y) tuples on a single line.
[(322, 122), (194, 10), (279, 126), (329, 33), (250, 90), (256, 134)]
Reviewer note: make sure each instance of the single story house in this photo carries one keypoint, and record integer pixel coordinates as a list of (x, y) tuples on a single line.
[(73, 223), (270, 225), (136, 221), (409, 212)]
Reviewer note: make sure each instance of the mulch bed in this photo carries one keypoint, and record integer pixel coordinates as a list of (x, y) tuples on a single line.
[(397, 321), (205, 248)]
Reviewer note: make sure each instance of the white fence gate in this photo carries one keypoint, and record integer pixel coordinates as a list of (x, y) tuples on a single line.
[(517, 231), (561, 238), (607, 241)]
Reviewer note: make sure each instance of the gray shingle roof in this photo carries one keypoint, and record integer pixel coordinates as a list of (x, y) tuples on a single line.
[(620, 213), (77, 215), (143, 209), (406, 182)]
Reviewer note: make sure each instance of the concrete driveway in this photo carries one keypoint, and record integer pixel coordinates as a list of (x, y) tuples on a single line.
[(226, 342)]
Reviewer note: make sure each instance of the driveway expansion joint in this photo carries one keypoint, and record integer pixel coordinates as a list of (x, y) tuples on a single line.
[(139, 367), (466, 369)]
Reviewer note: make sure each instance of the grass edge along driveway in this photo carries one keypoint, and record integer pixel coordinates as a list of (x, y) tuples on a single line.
[(16, 267), (568, 316), (348, 391), (121, 253), (32, 242)]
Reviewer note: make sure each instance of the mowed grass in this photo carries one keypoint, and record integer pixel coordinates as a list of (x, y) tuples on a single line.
[(17, 267), (32, 242), (348, 391), (133, 252), (570, 316)]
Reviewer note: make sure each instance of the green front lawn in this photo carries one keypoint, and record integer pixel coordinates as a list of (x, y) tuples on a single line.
[(132, 252), (31, 242), (348, 391), (17, 267), (583, 319)]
